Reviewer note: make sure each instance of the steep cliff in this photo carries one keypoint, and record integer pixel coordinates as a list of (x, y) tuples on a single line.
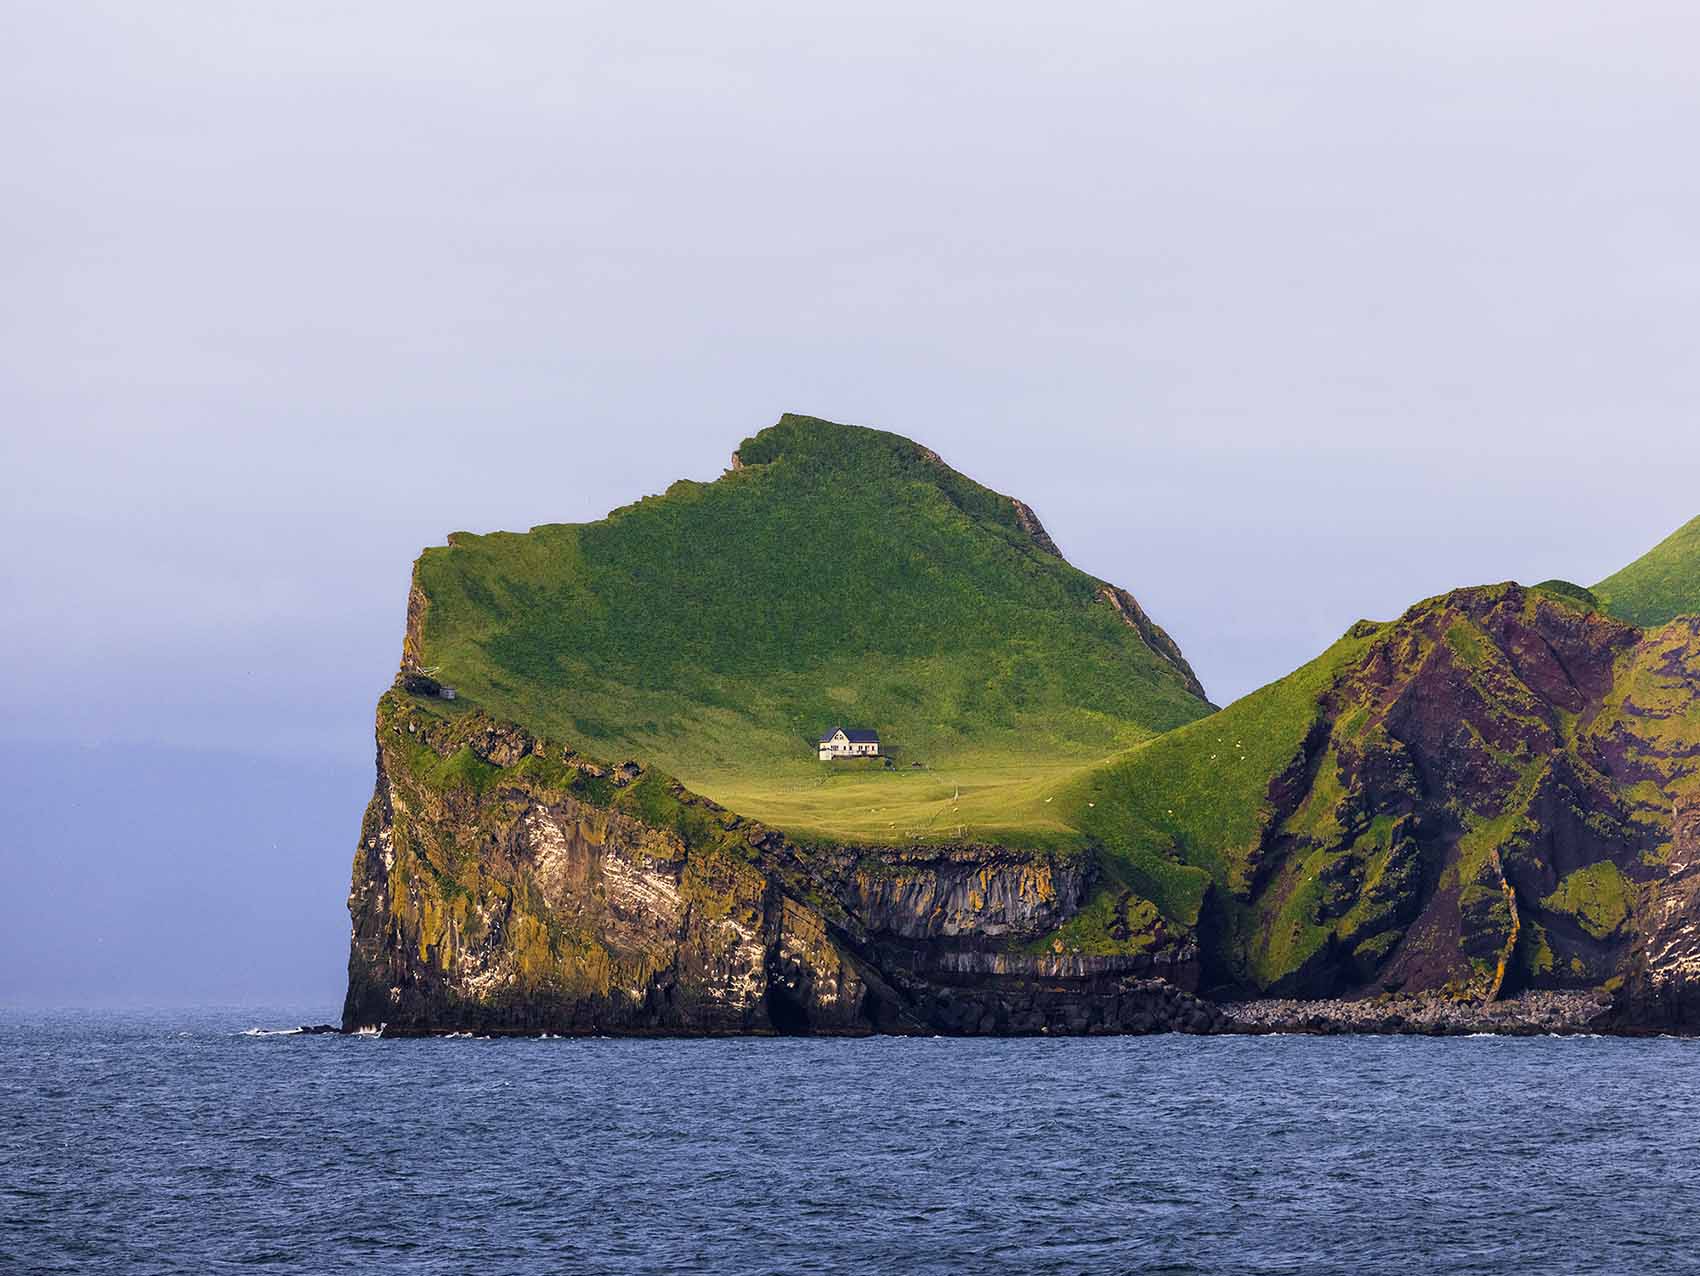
[(504, 883)]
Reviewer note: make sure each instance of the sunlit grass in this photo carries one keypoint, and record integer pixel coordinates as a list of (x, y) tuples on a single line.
[(1662, 584), (973, 800)]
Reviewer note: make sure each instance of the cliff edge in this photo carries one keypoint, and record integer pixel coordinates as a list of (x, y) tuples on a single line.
[(504, 883)]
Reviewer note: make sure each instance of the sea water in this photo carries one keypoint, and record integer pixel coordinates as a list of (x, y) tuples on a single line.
[(210, 1142)]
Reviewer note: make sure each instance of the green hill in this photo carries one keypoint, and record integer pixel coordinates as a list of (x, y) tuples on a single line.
[(1471, 796), (835, 575), (1662, 584), (1191, 809)]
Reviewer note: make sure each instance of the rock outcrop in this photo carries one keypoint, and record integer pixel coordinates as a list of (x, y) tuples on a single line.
[(505, 885), (1651, 746), (1527, 1014), (1495, 794), (1156, 637)]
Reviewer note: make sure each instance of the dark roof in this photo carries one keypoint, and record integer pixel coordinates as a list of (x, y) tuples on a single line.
[(856, 735)]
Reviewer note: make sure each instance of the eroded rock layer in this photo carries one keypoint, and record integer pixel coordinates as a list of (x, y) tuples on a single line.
[(503, 884)]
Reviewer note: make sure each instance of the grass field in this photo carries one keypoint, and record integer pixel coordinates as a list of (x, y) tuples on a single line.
[(993, 799), (841, 577)]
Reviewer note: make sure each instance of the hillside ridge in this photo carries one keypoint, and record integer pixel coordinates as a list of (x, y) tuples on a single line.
[(1474, 798), (831, 573), (1661, 585)]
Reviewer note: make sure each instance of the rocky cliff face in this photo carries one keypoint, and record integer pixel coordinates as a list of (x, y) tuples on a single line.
[(1483, 803), (503, 883), (1654, 746), (1663, 988)]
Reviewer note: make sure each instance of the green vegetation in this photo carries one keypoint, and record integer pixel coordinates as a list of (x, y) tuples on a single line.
[(1275, 827), (1598, 896), (841, 575), (1660, 585), (1003, 798), (1566, 589), (1190, 807), (1093, 930), (1467, 643)]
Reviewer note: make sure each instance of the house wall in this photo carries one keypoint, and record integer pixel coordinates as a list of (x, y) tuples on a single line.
[(835, 749)]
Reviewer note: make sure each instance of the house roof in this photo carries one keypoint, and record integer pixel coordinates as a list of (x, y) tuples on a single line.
[(856, 735)]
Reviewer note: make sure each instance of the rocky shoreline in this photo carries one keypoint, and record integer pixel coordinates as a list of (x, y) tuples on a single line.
[(1527, 1014)]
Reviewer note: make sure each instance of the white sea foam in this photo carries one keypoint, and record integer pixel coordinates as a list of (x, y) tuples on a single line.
[(271, 1032)]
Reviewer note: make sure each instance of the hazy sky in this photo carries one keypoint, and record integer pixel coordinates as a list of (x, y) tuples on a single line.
[(1279, 314)]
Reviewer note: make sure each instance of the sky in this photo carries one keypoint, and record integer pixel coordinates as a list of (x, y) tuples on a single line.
[(1279, 315)]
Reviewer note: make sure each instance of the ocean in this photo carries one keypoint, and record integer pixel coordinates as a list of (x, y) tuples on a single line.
[(208, 1142)]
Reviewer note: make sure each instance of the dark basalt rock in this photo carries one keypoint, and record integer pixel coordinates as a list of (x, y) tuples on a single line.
[(418, 684), (1528, 1014), (1662, 990)]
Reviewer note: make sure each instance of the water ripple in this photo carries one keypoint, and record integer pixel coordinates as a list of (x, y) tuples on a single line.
[(160, 1143)]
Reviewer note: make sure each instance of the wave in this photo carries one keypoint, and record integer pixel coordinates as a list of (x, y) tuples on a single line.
[(271, 1032)]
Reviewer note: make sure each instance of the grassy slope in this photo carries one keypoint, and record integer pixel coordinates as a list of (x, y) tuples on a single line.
[(1660, 585), (1188, 809), (1185, 809), (842, 576)]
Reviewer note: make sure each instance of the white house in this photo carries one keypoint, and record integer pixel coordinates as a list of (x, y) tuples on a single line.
[(842, 742)]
